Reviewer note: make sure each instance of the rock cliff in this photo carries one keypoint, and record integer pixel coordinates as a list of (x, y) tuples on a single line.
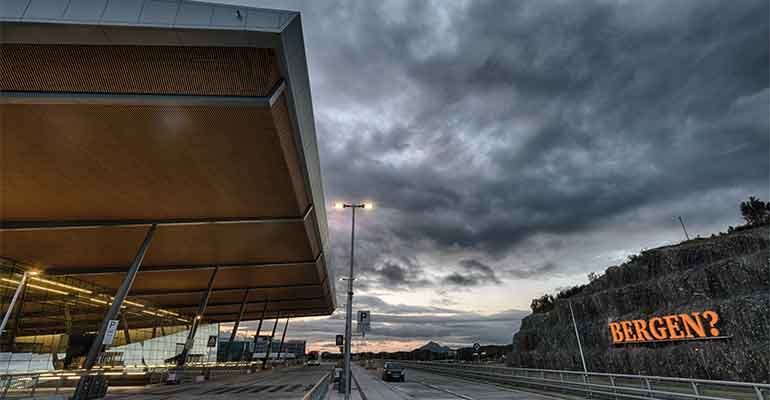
[(729, 274)]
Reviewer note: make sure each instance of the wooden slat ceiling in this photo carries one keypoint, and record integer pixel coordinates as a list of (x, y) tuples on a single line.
[(66, 162)]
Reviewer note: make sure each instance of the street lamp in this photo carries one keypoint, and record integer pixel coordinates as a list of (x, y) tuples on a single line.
[(349, 311)]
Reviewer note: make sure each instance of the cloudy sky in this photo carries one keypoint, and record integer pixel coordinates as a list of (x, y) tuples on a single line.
[(512, 147)]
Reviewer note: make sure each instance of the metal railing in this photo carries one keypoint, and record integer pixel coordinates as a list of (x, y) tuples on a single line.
[(596, 385), (16, 382), (319, 391), (27, 384)]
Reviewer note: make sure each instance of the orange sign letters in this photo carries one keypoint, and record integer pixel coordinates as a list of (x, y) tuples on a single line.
[(668, 327)]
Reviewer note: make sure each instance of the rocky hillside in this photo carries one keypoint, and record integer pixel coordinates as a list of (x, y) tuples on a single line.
[(729, 274)]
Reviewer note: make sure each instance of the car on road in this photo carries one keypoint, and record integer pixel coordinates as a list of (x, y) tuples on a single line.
[(393, 372)]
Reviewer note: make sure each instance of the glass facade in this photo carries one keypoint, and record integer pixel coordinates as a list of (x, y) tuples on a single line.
[(158, 351)]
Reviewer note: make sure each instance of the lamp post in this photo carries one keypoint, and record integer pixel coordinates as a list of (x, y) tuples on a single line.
[(349, 308)]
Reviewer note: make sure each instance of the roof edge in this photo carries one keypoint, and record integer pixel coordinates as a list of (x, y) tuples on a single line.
[(149, 14)]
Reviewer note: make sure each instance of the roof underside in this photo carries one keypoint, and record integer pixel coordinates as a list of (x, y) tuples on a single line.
[(212, 143)]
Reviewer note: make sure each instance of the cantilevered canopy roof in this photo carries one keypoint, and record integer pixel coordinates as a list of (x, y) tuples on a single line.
[(120, 114)]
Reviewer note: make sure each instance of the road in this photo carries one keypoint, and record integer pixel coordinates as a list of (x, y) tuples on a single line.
[(279, 384), (427, 386)]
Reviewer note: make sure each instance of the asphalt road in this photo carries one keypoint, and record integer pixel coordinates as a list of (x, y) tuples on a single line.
[(427, 386), (279, 384)]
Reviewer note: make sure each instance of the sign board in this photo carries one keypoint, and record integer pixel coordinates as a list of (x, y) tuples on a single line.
[(212, 341), (109, 335), (364, 319), (692, 326), (339, 340), (476, 347)]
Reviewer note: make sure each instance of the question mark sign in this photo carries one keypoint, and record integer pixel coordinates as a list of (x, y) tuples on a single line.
[(712, 318)]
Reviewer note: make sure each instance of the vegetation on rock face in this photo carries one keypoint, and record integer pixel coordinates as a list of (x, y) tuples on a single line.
[(756, 212), (546, 302), (728, 273), (542, 304)]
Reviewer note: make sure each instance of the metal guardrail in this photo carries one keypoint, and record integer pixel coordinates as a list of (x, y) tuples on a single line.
[(319, 391), (595, 385)]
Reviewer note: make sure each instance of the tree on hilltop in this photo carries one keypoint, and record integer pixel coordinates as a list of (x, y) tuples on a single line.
[(756, 212)]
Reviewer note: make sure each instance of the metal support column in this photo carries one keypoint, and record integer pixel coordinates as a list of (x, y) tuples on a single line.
[(128, 281), (63, 338), (155, 326), (188, 345), (16, 294), (17, 319), (270, 342), (259, 329), (67, 319), (283, 337), (125, 328), (235, 326)]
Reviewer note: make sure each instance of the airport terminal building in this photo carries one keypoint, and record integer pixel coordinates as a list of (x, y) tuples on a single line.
[(159, 172)]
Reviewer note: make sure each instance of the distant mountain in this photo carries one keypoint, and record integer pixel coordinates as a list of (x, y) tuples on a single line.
[(435, 348)]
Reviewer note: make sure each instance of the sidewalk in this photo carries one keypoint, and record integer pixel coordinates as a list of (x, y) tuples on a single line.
[(334, 394), (373, 388)]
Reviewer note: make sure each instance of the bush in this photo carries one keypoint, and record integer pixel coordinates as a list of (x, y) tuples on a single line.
[(542, 304), (756, 212), (569, 292)]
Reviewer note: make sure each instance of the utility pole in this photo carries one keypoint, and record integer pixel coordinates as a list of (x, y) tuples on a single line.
[(577, 336), (580, 347), (683, 228)]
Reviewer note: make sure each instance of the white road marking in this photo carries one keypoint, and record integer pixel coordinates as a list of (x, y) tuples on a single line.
[(462, 396)]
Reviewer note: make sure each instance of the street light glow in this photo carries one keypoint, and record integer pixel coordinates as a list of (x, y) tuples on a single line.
[(339, 205), (369, 205)]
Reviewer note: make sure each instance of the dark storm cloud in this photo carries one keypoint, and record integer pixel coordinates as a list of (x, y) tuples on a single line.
[(539, 271), (474, 273), (395, 275), (621, 105), (478, 126)]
